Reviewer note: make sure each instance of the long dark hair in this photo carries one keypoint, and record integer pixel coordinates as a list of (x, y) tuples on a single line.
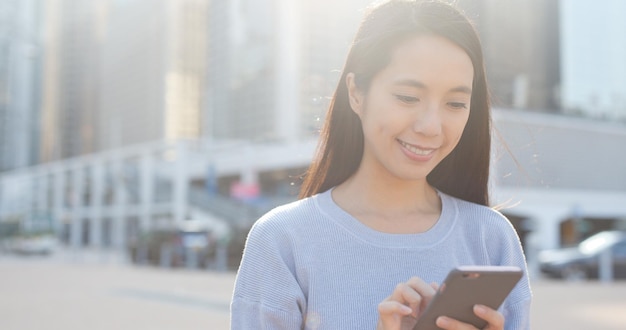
[(464, 173)]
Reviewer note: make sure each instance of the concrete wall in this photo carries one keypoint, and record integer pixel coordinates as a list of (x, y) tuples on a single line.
[(558, 152)]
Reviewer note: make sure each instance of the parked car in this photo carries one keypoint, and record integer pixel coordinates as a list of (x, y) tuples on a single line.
[(174, 246), (583, 261), (33, 245)]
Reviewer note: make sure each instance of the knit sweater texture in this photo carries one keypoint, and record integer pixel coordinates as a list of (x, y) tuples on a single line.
[(311, 265)]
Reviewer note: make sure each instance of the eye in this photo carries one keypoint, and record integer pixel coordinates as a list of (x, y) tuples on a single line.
[(407, 99), (457, 105)]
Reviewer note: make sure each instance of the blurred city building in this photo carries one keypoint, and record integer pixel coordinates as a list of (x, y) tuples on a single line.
[(156, 112), (20, 82), (70, 78), (274, 65), (153, 72), (122, 72), (554, 56), (522, 51), (558, 179)]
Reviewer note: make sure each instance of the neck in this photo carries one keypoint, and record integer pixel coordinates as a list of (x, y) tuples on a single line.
[(379, 188), (389, 204)]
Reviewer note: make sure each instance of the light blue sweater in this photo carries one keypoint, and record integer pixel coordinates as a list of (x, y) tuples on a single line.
[(311, 265)]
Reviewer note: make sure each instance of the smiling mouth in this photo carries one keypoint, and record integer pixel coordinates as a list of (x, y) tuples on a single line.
[(416, 150)]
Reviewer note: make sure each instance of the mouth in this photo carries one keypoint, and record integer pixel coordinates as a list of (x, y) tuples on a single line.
[(419, 151)]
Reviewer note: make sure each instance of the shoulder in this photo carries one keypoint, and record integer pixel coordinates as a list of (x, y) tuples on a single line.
[(287, 219), (473, 210), (488, 228), (481, 218), (288, 214)]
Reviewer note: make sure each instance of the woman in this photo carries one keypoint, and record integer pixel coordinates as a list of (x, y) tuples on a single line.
[(397, 194)]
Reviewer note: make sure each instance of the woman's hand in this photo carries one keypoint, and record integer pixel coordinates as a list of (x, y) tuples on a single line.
[(401, 310), (495, 320)]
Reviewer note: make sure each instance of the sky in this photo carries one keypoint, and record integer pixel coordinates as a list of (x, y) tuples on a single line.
[(594, 56)]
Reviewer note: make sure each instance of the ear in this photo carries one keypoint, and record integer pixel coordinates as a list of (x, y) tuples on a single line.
[(355, 96)]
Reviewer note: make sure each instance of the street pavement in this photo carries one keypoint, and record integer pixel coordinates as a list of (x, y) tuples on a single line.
[(91, 290), (578, 305), (76, 291)]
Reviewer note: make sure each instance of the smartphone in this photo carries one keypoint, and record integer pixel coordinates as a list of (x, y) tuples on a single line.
[(466, 286)]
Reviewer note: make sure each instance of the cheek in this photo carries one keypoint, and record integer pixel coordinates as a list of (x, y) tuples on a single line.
[(455, 130), (386, 126), (374, 129), (375, 122)]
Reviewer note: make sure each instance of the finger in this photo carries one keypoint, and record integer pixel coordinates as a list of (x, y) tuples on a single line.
[(495, 319), (434, 285), (426, 291), (389, 307), (405, 294), (391, 314), (448, 323)]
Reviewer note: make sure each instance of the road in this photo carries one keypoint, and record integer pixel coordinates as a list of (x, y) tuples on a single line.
[(89, 291), (101, 292)]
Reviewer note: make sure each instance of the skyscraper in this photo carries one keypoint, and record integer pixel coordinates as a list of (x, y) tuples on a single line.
[(521, 47), (153, 71), (70, 78), (274, 65), (120, 73), (20, 73), (242, 70)]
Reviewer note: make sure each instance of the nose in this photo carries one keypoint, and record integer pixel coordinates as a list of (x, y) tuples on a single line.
[(428, 121)]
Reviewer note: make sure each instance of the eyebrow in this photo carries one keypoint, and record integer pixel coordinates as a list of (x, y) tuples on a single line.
[(421, 85)]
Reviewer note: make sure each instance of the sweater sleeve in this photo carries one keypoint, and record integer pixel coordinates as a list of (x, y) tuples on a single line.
[(267, 294), (516, 315), (506, 249)]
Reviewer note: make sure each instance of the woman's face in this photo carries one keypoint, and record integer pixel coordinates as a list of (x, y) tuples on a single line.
[(416, 108)]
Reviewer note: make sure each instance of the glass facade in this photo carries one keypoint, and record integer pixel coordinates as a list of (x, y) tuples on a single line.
[(20, 76)]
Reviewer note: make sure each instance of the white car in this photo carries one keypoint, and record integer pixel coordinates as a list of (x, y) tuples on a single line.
[(42, 245)]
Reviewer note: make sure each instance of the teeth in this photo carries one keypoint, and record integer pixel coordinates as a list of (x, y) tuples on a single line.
[(416, 150)]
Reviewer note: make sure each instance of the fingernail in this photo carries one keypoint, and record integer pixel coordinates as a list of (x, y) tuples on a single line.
[(480, 309), (442, 321), (406, 309)]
